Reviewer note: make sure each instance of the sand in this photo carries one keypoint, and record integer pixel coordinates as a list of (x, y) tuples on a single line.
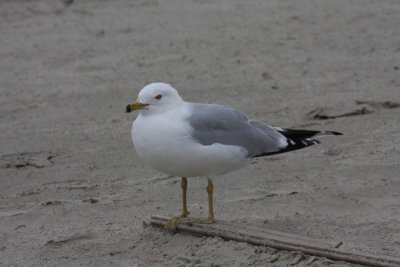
[(73, 191)]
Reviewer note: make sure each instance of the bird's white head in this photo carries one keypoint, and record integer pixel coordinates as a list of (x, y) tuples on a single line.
[(156, 97)]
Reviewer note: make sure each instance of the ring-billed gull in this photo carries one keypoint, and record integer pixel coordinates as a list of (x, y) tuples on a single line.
[(192, 139)]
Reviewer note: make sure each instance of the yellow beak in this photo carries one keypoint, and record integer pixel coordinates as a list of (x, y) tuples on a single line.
[(135, 106)]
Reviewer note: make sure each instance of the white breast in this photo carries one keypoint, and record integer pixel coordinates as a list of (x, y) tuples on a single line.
[(165, 143)]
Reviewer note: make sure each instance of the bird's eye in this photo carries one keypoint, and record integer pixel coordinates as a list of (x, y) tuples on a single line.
[(158, 97)]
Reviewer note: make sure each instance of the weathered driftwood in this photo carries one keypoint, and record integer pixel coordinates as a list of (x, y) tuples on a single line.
[(279, 240)]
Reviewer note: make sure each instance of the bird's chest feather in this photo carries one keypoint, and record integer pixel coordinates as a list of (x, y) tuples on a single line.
[(154, 137)]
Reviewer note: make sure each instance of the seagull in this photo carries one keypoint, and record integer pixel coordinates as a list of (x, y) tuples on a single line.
[(187, 139)]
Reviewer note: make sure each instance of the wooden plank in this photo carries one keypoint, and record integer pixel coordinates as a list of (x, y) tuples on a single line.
[(279, 240)]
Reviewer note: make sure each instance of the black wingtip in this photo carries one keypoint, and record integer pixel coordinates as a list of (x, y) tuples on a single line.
[(298, 139)]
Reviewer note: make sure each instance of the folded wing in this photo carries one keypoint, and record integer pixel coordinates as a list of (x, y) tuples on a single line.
[(224, 125)]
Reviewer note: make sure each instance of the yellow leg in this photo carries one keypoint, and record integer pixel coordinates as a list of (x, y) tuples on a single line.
[(210, 218), (210, 190), (174, 221), (185, 212)]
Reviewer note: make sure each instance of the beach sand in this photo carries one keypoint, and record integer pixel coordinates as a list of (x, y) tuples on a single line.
[(73, 192)]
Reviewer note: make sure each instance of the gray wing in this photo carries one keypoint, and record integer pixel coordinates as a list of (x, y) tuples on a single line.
[(219, 124)]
